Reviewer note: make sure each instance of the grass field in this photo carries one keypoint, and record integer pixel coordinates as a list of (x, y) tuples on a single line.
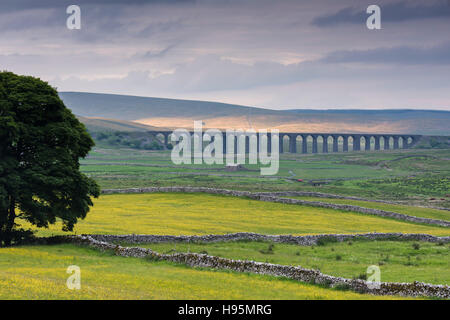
[(399, 261), (413, 176), (409, 176), (409, 210), (189, 214), (39, 272)]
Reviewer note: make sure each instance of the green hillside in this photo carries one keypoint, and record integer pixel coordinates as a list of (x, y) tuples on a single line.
[(131, 107), (171, 113), (102, 125)]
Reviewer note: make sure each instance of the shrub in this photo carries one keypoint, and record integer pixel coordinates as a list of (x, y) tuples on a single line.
[(269, 249), (342, 286), (361, 276), (322, 241)]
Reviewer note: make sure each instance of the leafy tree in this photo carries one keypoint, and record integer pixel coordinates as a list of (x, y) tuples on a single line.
[(41, 143)]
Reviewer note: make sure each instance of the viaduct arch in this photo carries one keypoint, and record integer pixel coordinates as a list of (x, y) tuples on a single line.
[(330, 142)]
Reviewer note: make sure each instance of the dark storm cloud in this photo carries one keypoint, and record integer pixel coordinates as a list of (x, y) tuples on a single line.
[(99, 21), (259, 52), (397, 55), (102, 23), (394, 12)]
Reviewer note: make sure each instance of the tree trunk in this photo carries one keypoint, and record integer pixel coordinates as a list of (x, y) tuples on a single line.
[(3, 218), (10, 222)]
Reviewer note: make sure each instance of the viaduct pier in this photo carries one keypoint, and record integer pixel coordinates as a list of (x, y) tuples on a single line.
[(303, 142)]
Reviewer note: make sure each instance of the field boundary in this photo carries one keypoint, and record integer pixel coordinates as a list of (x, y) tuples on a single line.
[(273, 197), (335, 196), (415, 289), (308, 240)]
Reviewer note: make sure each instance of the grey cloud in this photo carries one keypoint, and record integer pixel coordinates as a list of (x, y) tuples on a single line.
[(107, 24), (210, 77), (51, 18), (223, 50), (215, 76), (346, 15), (160, 27), (157, 54), (20, 21), (18, 5), (51, 64), (397, 55), (97, 21), (393, 12), (210, 73)]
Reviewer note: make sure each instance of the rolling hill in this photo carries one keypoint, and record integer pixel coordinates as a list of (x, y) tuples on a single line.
[(131, 113), (100, 124)]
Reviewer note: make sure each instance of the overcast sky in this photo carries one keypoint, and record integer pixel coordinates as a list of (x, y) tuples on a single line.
[(279, 54)]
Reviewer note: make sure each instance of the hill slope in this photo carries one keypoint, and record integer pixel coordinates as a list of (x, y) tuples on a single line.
[(171, 113), (100, 124), (133, 108)]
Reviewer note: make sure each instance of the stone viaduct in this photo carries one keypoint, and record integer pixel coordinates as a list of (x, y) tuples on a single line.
[(326, 142)]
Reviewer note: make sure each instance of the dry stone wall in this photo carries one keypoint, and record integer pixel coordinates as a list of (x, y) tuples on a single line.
[(289, 239), (335, 196), (291, 272), (273, 197)]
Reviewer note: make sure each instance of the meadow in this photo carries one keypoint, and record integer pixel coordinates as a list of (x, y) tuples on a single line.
[(399, 261), (404, 209), (39, 272), (408, 177), (197, 214)]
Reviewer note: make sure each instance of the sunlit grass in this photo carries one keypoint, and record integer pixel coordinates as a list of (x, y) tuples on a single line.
[(409, 210), (178, 213), (39, 272)]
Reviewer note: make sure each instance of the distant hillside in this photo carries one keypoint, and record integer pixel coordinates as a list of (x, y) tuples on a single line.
[(381, 114), (131, 111), (132, 107), (102, 125)]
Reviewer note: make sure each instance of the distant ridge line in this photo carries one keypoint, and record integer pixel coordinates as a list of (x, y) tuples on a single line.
[(175, 113)]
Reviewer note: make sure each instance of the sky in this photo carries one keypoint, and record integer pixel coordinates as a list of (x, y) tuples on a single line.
[(281, 54)]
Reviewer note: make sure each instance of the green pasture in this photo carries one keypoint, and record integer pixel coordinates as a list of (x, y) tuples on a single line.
[(414, 176), (404, 209), (39, 272), (190, 214), (399, 261)]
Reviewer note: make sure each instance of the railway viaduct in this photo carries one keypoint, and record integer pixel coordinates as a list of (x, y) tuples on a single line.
[(327, 142)]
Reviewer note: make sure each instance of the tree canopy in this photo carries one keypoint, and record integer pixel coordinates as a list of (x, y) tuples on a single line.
[(41, 142)]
